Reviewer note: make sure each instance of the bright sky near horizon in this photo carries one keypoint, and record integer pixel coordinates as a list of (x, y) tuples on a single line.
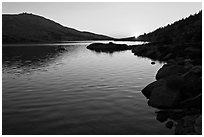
[(115, 19)]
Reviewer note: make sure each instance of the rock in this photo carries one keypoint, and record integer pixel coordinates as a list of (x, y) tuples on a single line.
[(187, 60), (139, 50), (162, 116), (198, 125), (149, 88), (192, 102), (185, 126), (197, 61), (180, 60), (61, 48), (169, 124), (197, 70), (171, 62), (174, 82), (164, 97), (192, 85), (191, 49), (168, 56), (188, 66), (151, 53), (168, 70), (152, 62), (193, 52)]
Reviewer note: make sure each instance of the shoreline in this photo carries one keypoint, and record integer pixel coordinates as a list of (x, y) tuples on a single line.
[(178, 85)]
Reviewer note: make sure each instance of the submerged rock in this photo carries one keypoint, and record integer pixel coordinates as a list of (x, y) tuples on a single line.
[(152, 62)]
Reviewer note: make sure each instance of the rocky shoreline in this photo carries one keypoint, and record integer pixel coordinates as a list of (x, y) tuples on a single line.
[(177, 91), (178, 85)]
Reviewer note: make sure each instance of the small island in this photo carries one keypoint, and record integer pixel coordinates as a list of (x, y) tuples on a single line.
[(108, 47)]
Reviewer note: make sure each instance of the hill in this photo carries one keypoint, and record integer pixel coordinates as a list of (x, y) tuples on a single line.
[(179, 81), (178, 41), (30, 28), (186, 30), (126, 39)]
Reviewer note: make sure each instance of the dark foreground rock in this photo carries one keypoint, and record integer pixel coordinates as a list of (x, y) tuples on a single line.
[(184, 122), (109, 47), (175, 88), (164, 97), (178, 85), (168, 70)]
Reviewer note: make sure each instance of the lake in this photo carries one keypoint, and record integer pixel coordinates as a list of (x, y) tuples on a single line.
[(76, 91)]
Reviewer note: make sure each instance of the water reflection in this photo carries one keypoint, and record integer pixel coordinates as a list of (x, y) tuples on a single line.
[(24, 59), (107, 51), (88, 93)]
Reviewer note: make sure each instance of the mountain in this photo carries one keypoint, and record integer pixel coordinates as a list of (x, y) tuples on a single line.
[(126, 39), (188, 30), (30, 28)]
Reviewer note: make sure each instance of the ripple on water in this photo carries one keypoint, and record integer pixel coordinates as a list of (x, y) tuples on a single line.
[(76, 92)]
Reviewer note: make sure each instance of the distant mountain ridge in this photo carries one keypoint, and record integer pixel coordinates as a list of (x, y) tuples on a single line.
[(126, 39), (30, 28), (188, 30)]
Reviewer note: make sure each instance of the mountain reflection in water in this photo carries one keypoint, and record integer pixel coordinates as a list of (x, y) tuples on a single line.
[(25, 59)]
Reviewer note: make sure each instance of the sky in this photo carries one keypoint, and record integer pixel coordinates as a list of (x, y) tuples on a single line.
[(115, 19)]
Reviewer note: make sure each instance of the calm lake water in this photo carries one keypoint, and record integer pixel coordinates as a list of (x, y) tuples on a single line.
[(77, 91)]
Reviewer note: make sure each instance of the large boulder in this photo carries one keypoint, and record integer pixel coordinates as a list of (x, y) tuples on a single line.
[(164, 92), (168, 70), (164, 97), (149, 88), (196, 70), (193, 52), (192, 85), (168, 56), (175, 82), (192, 102)]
